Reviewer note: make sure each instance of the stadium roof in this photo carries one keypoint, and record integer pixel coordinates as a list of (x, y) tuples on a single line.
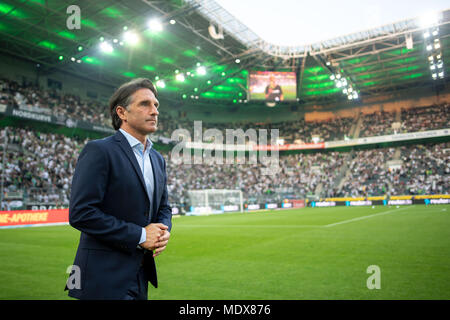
[(376, 61)]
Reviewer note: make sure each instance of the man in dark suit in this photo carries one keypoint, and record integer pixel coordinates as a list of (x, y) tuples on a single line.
[(119, 202)]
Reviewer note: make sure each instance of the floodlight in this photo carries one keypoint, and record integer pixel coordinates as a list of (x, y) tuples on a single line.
[(338, 76), (344, 82), (350, 97), (332, 77), (172, 21), (426, 34), (429, 47), (428, 19), (72, 59), (131, 38), (160, 84), (180, 77), (237, 60), (61, 58), (431, 58), (437, 45), (434, 75), (80, 48), (78, 61), (441, 74), (435, 32), (201, 70), (106, 47), (355, 95), (155, 25)]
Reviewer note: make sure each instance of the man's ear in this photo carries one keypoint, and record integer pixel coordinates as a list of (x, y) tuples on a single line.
[(121, 113)]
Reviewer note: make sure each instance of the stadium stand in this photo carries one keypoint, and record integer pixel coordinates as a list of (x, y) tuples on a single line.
[(31, 98), (40, 165)]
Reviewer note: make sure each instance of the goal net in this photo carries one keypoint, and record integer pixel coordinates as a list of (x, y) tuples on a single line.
[(215, 201)]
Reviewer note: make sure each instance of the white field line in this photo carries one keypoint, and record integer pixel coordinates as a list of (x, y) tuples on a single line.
[(365, 217), (35, 225), (247, 226)]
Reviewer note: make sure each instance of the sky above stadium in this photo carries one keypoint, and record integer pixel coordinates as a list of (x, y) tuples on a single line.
[(299, 22)]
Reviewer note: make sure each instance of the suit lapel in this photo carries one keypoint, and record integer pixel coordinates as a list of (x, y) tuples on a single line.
[(129, 153), (155, 185)]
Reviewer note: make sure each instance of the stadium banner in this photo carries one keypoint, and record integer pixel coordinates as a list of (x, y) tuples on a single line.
[(388, 138), (297, 203), (239, 147), (437, 201), (286, 147), (58, 120), (432, 201), (382, 200), (323, 204), (271, 205), (24, 218), (28, 115), (250, 207), (400, 202)]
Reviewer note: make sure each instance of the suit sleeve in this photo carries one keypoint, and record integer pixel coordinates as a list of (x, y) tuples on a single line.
[(89, 185), (165, 210)]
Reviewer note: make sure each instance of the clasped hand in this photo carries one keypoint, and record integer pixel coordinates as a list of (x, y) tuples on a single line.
[(157, 238)]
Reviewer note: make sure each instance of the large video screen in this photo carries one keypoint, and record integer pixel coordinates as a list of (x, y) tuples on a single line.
[(272, 86)]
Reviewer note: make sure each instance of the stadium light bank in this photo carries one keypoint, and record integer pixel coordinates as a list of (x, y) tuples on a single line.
[(208, 147)]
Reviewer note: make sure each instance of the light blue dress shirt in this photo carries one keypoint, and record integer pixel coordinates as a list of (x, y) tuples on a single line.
[(143, 158)]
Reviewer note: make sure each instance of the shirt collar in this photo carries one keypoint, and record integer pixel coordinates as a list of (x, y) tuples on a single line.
[(135, 142)]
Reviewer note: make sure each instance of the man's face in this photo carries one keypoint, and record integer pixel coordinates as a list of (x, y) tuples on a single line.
[(141, 116)]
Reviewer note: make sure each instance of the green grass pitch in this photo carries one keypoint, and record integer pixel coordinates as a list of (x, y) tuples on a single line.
[(311, 253)]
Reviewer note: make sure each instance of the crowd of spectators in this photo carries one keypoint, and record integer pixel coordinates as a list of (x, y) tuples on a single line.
[(377, 124), (298, 175), (412, 120), (29, 97), (367, 174), (422, 169), (294, 131), (42, 164), (425, 170), (426, 118), (39, 164)]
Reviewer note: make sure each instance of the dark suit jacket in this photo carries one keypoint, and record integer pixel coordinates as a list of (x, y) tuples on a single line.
[(109, 205)]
